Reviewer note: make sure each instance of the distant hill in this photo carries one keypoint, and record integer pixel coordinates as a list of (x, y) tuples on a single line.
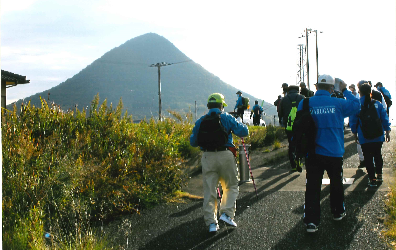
[(124, 72)]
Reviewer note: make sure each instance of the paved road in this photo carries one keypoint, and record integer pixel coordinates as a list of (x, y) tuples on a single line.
[(273, 220)]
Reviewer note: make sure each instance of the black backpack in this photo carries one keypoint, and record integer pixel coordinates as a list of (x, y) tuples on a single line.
[(388, 101), (212, 134), (304, 132), (370, 122)]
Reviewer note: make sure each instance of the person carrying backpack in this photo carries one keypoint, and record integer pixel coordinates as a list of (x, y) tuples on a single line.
[(257, 110), (328, 115), (239, 106), (386, 94), (368, 126), (305, 91), (288, 111), (213, 134)]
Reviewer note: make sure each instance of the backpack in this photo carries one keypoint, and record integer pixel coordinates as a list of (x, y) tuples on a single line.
[(388, 101), (256, 110), (370, 122), (212, 134), (292, 115), (245, 102), (304, 132)]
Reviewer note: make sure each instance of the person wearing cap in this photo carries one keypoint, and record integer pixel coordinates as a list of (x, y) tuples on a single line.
[(257, 110), (386, 94), (285, 87), (292, 99), (239, 105), (220, 165), (328, 114), (277, 104), (305, 91), (352, 88), (371, 147)]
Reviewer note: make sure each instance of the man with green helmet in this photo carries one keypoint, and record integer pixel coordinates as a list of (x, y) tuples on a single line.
[(212, 133)]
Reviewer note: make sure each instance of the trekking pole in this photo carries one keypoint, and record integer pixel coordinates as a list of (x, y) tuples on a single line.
[(250, 169)]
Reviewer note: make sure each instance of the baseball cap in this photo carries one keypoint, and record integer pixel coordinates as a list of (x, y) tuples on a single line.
[(302, 84), (326, 79), (285, 85), (217, 98), (361, 82), (239, 92), (378, 84)]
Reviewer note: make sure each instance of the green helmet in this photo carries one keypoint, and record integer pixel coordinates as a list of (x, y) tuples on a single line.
[(218, 98)]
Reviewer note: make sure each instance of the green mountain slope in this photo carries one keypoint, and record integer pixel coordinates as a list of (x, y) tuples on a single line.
[(124, 72)]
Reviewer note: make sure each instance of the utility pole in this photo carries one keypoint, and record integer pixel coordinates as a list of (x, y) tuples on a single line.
[(301, 73), (159, 65), (195, 110), (317, 55), (306, 47)]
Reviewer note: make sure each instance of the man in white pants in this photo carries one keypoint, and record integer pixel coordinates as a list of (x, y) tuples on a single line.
[(213, 133)]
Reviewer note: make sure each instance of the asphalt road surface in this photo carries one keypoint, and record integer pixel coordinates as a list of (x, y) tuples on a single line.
[(273, 219)]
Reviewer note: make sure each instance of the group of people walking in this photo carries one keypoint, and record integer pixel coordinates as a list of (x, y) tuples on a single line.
[(328, 113)]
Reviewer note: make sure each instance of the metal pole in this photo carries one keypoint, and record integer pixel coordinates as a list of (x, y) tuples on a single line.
[(159, 91), (317, 65), (306, 36), (195, 110)]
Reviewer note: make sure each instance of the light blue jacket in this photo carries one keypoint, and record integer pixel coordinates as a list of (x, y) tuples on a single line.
[(355, 123), (238, 102), (230, 124), (328, 114)]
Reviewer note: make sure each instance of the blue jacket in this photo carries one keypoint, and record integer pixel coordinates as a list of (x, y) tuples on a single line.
[(230, 124), (328, 114), (385, 91), (355, 123), (238, 102), (255, 107)]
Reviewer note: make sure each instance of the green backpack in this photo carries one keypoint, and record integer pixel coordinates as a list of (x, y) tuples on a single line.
[(292, 115), (245, 102)]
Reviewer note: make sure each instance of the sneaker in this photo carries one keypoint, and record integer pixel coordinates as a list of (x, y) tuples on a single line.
[(379, 178), (339, 216), (312, 228), (362, 164), (372, 183), (213, 228), (227, 219)]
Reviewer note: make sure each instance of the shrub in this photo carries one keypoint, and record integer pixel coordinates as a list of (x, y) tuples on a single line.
[(75, 170)]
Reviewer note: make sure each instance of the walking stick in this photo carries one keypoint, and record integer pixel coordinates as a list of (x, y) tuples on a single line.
[(251, 173)]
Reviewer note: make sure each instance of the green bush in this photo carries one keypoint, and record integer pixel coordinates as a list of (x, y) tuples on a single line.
[(75, 170)]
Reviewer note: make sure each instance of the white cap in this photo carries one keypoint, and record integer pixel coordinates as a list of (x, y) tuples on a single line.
[(326, 79)]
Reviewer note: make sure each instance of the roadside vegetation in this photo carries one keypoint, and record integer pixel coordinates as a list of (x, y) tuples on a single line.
[(390, 221), (65, 174)]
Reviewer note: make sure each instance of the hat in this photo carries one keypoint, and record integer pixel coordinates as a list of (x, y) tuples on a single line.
[(217, 98), (302, 84), (378, 84), (285, 85), (239, 92), (361, 82), (326, 79)]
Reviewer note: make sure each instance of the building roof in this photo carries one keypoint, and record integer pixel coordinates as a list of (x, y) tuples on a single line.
[(11, 79)]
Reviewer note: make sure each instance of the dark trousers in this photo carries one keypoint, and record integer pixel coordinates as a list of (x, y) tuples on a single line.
[(256, 120), (291, 148), (315, 171), (240, 112), (372, 150)]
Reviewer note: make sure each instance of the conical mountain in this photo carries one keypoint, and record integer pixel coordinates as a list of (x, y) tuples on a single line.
[(124, 72)]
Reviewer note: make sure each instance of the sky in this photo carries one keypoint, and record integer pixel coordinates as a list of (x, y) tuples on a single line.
[(251, 45)]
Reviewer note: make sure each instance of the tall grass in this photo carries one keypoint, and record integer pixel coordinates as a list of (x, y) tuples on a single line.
[(68, 172)]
